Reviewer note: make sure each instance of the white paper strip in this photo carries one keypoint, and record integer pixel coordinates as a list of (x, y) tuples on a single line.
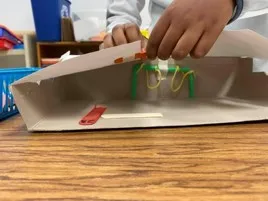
[(132, 115), (67, 56), (163, 67)]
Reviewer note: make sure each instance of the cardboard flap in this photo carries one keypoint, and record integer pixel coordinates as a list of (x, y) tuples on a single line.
[(85, 62), (240, 43)]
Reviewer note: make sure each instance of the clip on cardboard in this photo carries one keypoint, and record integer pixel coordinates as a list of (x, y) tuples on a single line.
[(136, 93)]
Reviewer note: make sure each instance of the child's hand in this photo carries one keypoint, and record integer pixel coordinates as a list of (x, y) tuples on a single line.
[(123, 34), (189, 27)]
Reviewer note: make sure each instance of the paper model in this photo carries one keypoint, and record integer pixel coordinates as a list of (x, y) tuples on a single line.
[(118, 88)]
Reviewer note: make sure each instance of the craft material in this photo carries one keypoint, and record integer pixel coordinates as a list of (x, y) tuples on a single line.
[(145, 33), (186, 72), (132, 115), (93, 116), (185, 75), (138, 56)]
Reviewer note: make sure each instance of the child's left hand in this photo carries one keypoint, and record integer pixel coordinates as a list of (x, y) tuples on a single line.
[(189, 27)]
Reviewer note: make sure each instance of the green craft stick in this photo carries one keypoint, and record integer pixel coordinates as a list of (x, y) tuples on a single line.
[(191, 85), (150, 67), (134, 81)]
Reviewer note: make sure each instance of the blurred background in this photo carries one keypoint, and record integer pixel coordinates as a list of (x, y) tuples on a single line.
[(22, 18), (35, 33)]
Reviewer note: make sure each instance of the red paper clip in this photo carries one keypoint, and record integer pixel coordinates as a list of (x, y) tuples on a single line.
[(93, 116)]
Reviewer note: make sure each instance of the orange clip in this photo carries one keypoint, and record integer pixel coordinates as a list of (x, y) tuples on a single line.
[(119, 60), (141, 55)]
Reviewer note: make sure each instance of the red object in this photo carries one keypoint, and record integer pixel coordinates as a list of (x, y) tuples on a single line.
[(5, 45), (119, 60), (49, 61), (18, 40), (93, 116), (141, 55)]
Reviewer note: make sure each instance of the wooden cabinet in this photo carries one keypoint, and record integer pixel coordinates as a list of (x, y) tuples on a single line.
[(49, 53)]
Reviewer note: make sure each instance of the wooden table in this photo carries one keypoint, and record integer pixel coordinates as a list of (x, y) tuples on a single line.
[(202, 163)]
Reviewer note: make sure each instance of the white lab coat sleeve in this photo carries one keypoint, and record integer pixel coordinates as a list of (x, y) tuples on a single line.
[(124, 11), (254, 5)]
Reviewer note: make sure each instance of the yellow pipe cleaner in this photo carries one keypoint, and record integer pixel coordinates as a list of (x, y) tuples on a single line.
[(147, 77), (174, 89)]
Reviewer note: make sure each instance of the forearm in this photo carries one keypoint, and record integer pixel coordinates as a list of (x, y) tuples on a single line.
[(124, 11)]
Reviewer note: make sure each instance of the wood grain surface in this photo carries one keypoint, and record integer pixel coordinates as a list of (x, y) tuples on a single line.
[(210, 163)]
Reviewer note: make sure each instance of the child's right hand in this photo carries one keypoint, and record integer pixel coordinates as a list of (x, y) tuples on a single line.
[(123, 34)]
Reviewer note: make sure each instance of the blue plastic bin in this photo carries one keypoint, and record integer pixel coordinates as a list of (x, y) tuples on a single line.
[(7, 77), (47, 18)]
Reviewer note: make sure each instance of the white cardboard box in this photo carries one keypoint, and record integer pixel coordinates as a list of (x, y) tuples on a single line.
[(56, 98)]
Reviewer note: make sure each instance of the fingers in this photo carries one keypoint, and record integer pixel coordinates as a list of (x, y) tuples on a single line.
[(108, 41), (156, 37), (188, 27), (132, 33), (169, 43), (195, 41), (123, 34), (205, 43), (177, 43), (118, 35), (187, 43)]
